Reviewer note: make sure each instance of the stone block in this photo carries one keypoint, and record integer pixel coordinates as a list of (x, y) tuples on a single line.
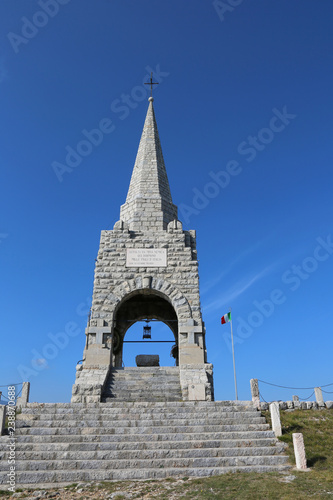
[(299, 451), (191, 354), (147, 360), (329, 405), (275, 416), (24, 398), (255, 392), (196, 392), (319, 396)]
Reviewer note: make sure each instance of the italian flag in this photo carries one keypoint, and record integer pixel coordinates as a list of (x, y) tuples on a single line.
[(226, 318)]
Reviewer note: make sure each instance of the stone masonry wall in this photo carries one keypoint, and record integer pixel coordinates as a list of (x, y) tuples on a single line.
[(111, 271)]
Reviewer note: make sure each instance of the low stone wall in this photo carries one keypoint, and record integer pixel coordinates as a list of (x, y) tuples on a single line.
[(89, 383), (299, 405)]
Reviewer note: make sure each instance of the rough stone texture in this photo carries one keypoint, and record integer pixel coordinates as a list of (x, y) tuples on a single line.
[(295, 398), (147, 360), (124, 294), (255, 392), (149, 203), (58, 443), (2, 418), (152, 383), (275, 416), (319, 396), (299, 450), (297, 405), (192, 376), (24, 398), (89, 383)]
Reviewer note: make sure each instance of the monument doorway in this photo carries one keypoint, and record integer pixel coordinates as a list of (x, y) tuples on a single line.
[(140, 309), (161, 343)]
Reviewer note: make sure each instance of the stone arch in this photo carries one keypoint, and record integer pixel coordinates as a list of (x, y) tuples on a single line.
[(169, 291), (143, 298)]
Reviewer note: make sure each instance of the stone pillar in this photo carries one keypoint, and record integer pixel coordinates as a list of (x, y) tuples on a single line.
[(295, 398), (275, 416), (255, 392), (319, 396), (299, 450), (191, 352), (24, 398), (98, 353), (2, 418)]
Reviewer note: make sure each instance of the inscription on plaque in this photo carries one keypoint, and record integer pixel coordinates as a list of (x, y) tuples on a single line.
[(146, 257)]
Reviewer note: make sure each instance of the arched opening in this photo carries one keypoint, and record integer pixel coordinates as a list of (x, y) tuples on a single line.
[(130, 317), (160, 344)]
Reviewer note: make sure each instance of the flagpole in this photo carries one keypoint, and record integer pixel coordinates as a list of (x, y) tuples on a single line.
[(233, 357)]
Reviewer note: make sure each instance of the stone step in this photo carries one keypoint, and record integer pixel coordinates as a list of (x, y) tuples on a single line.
[(268, 443), (143, 414), (131, 407), (143, 437), (166, 429), (145, 370), (186, 404), (137, 422), (132, 386), (55, 465), (141, 395), (146, 419), (63, 477), (141, 454)]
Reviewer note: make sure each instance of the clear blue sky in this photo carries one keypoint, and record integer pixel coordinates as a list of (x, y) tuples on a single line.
[(244, 110)]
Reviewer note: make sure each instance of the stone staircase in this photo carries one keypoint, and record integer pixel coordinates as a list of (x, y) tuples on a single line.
[(64, 443), (143, 384)]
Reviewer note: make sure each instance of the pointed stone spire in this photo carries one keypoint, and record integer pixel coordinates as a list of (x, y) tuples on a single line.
[(149, 203)]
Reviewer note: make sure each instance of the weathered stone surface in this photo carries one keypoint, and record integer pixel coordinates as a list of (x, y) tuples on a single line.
[(255, 392), (120, 440), (147, 360), (319, 396), (329, 405), (23, 399), (299, 450), (2, 418), (275, 416), (163, 287)]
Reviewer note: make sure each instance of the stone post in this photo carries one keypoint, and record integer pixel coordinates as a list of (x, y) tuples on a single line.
[(299, 450), (2, 418), (255, 392), (275, 416), (295, 398), (24, 398), (319, 396)]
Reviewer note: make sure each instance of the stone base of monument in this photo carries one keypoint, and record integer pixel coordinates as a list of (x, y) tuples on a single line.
[(66, 443), (147, 360)]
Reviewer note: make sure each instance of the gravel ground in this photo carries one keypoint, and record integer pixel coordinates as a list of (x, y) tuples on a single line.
[(115, 491)]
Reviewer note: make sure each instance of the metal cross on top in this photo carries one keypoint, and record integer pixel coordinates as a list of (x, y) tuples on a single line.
[(151, 83)]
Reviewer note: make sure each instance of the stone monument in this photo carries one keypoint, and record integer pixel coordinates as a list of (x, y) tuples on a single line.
[(146, 268)]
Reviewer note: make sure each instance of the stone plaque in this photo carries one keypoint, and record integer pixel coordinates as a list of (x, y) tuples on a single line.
[(146, 257)]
